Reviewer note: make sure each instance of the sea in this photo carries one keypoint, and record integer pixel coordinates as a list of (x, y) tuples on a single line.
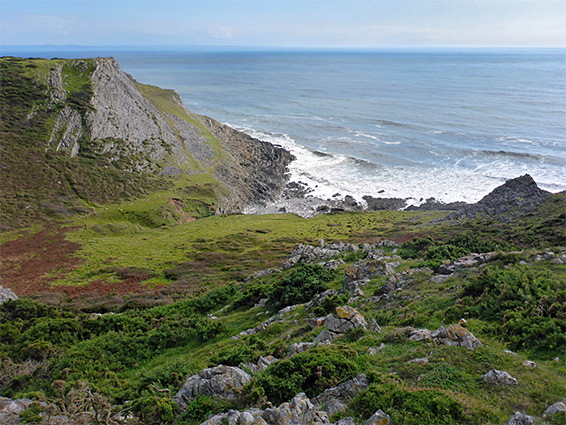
[(449, 124)]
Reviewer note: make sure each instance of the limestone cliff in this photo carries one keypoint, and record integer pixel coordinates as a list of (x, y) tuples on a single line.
[(99, 130)]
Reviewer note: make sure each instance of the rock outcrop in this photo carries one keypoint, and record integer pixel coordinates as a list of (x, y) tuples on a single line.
[(455, 335), (220, 381), (6, 294), (499, 377), (115, 117), (513, 199)]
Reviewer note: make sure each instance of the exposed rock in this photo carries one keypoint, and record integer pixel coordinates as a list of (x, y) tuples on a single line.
[(320, 298), (375, 204), (233, 417), (422, 360), (333, 400), (300, 410), (520, 419), (67, 131), (354, 287), (374, 326), (309, 254), (513, 199), (6, 294), (348, 318), (378, 418), (367, 269), (262, 364), (471, 260), (420, 334), (374, 350), (499, 377), (299, 347), (529, 363), (456, 335), (557, 408), (54, 82), (11, 409), (431, 204), (220, 381)]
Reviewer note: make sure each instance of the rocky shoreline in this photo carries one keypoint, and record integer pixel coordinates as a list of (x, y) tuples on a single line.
[(516, 196)]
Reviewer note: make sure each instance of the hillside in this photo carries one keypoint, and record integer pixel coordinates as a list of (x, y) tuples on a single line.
[(126, 296), (77, 134)]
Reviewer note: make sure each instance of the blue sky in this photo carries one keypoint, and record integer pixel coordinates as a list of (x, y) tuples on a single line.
[(285, 23)]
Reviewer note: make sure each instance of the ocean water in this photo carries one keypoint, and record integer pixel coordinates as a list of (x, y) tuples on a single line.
[(446, 124)]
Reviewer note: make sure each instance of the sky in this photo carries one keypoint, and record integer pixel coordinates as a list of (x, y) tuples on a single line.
[(285, 23)]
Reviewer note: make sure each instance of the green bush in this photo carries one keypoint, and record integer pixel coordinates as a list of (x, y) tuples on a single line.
[(300, 285), (409, 407), (247, 349), (155, 408), (310, 372), (527, 307), (200, 409)]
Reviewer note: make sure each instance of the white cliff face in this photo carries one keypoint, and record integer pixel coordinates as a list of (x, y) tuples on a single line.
[(67, 132)]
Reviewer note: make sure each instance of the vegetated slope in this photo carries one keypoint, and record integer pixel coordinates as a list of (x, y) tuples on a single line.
[(81, 133), (512, 295)]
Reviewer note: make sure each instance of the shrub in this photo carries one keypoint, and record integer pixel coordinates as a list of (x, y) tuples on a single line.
[(300, 285), (155, 408), (527, 307), (200, 409), (311, 372), (408, 407), (247, 349)]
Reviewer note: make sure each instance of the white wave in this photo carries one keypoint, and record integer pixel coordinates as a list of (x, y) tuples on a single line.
[(328, 174)]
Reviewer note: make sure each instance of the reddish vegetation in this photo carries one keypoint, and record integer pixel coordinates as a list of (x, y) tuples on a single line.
[(30, 264)]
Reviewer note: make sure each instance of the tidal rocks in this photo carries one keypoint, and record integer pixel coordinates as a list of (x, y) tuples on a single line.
[(455, 335), (375, 204), (513, 199), (220, 381), (499, 377)]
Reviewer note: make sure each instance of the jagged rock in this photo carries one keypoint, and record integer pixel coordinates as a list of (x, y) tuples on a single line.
[(299, 347), (300, 410), (320, 297), (348, 318), (378, 418), (513, 199), (6, 294), (366, 270), (346, 421), (374, 350), (233, 417), (456, 335), (420, 334), (219, 381), (11, 409), (321, 254), (520, 419), (353, 287), (499, 377), (333, 400), (375, 204), (557, 408), (448, 267), (374, 326), (67, 131), (325, 337), (262, 364), (529, 363)]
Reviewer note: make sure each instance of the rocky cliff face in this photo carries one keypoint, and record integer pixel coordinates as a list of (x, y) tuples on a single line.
[(98, 110)]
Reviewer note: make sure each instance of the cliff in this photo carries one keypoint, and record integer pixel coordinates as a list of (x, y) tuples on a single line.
[(89, 134)]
